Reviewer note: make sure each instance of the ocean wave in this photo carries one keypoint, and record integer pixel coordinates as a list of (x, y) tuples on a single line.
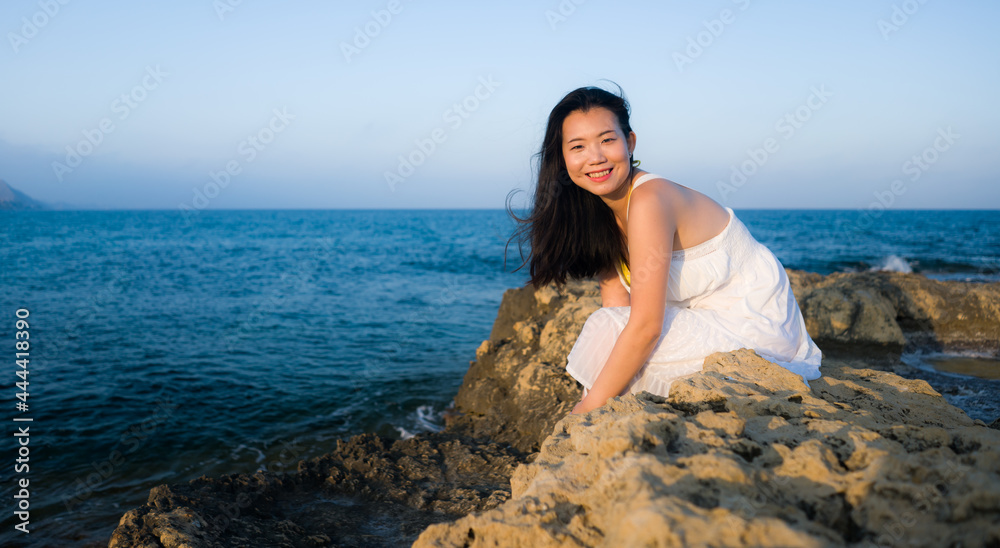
[(893, 263), (424, 419)]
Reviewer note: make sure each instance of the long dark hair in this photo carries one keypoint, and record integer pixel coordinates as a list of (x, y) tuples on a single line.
[(572, 231)]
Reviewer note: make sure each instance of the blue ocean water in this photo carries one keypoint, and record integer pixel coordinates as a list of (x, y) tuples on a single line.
[(166, 348), (944, 245)]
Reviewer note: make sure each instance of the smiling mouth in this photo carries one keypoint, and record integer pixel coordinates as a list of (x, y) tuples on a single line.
[(599, 174)]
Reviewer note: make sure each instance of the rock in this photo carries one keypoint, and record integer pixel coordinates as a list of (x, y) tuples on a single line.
[(367, 491), (801, 280), (745, 454), (742, 453), (517, 388), (895, 311), (523, 374), (13, 199), (849, 315)]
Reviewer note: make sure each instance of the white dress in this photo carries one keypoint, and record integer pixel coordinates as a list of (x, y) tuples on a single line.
[(727, 293)]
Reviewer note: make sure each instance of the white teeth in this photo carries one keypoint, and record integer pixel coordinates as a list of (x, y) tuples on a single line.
[(600, 174)]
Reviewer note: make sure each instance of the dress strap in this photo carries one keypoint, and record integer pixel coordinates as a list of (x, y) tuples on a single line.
[(619, 266), (638, 182)]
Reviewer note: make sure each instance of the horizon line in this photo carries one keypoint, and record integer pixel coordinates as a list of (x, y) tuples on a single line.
[(800, 208)]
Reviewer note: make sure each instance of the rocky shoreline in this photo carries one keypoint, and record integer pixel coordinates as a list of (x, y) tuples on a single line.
[(741, 454)]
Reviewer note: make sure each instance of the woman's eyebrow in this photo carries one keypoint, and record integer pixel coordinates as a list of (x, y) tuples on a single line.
[(599, 134)]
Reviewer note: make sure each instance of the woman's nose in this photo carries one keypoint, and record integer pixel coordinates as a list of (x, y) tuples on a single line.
[(596, 155)]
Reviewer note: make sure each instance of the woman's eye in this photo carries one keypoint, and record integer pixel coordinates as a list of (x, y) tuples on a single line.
[(609, 139)]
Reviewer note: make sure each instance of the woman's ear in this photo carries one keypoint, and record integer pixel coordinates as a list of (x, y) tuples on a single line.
[(631, 142)]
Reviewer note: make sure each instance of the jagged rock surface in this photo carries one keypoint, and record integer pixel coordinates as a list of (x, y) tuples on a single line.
[(896, 310), (745, 453), (368, 491), (518, 388), (741, 454)]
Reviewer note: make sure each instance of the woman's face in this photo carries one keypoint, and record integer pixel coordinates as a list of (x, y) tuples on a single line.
[(596, 151)]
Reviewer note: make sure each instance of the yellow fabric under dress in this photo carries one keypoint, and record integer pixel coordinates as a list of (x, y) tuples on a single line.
[(727, 293)]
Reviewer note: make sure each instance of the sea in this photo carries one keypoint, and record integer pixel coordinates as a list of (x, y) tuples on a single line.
[(165, 346)]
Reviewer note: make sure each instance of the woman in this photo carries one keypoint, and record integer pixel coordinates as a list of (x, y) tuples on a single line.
[(680, 275)]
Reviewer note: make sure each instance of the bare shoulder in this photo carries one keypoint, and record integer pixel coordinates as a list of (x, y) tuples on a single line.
[(695, 216), (653, 198), (661, 188), (673, 197)]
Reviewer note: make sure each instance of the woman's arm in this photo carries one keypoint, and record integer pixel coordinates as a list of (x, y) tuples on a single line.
[(651, 231), (613, 293)]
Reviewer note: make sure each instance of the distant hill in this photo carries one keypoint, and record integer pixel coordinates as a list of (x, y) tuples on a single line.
[(12, 199)]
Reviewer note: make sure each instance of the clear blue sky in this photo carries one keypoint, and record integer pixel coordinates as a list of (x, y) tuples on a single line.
[(201, 86)]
